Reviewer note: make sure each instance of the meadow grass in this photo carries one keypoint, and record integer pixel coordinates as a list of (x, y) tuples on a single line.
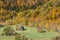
[(30, 33)]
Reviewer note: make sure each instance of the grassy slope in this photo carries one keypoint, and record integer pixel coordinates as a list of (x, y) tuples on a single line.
[(31, 33)]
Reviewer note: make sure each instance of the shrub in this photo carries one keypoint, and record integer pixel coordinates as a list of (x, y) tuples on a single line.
[(57, 38), (8, 31), (20, 37)]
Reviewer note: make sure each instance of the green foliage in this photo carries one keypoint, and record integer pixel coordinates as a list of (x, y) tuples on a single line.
[(8, 31), (20, 37)]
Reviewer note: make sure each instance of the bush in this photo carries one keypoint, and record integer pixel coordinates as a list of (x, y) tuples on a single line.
[(8, 31), (20, 37), (57, 38)]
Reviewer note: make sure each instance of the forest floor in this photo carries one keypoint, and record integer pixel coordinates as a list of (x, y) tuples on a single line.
[(31, 33)]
